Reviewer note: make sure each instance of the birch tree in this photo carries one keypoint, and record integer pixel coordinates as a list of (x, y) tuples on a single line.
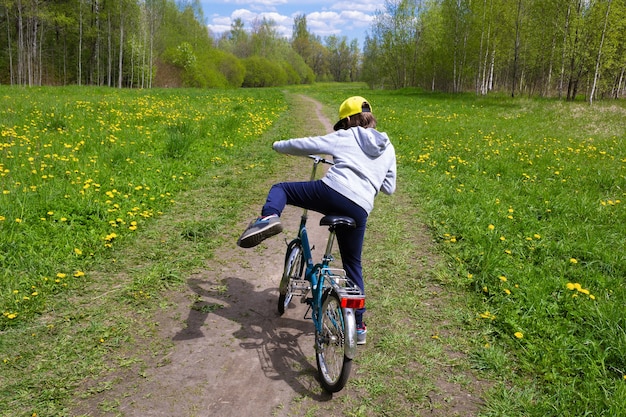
[(596, 73)]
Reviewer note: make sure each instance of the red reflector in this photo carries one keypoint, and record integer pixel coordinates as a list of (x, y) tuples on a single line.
[(353, 302)]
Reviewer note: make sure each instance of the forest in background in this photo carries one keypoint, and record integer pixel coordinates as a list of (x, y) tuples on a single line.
[(557, 48), (157, 43), (561, 48)]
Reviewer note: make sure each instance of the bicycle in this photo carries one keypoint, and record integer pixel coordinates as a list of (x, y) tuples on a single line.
[(330, 295)]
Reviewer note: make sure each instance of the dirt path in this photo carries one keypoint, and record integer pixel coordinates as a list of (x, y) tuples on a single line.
[(232, 355)]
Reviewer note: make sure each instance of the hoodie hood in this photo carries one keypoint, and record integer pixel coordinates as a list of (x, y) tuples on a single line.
[(371, 141)]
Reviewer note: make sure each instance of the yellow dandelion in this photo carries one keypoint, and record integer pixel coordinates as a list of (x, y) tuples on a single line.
[(573, 260), (518, 335), (79, 274), (502, 278), (487, 315), (491, 227), (78, 251)]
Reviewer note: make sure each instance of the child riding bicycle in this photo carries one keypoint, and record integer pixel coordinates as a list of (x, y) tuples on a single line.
[(364, 164)]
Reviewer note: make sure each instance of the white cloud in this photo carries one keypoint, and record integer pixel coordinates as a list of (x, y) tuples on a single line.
[(357, 18), (324, 23), (254, 4), (364, 6), (342, 18), (243, 14), (283, 24)]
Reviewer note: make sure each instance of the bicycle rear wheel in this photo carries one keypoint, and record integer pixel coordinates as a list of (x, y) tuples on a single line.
[(294, 268), (332, 364)]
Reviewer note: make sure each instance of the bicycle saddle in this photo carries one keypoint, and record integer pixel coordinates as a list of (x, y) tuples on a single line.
[(332, 220)]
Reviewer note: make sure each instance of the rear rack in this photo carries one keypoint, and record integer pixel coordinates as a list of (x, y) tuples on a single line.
[(349, 294)]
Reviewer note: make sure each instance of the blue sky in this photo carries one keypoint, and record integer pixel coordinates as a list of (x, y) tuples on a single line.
[(324, 18)]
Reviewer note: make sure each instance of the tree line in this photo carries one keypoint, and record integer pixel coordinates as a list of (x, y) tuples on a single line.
[(561, 48), (158, 43)]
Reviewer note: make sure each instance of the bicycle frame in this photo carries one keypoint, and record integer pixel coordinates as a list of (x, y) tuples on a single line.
[(322, 278)]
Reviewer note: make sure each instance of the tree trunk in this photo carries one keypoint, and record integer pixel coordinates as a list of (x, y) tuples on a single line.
[(11, 73), (619, 83), (564, 54), (596, 74), (80, 41), (109, 52), (517, 45), (94, 76), (547, 87), (121, 60), (574, 78), (480, 73), (20, 44)]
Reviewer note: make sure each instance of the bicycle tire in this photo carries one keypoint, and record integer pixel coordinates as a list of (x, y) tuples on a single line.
[(294, 268), (332, 363)]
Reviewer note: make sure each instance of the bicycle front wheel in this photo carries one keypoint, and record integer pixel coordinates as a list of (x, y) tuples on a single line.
[(294, 268), (332, 364)]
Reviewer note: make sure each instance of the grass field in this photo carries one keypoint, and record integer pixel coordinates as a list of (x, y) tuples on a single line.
[(84, 169), (524, 198)]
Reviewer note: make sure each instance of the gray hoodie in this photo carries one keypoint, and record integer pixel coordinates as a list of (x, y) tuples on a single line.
[(365, 162)]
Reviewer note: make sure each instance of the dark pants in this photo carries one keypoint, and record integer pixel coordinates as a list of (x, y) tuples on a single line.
[(317, 196)]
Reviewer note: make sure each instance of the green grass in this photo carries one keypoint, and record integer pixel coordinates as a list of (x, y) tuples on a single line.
[(522, 198), (525, 198), (526, 201), (84, 169), (63, 330)]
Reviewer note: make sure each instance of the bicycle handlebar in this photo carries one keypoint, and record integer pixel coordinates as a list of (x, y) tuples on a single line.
[(319, 159)]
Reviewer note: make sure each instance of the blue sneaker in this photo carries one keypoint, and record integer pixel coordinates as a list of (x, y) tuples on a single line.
[(361, 334), (260, 229)]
